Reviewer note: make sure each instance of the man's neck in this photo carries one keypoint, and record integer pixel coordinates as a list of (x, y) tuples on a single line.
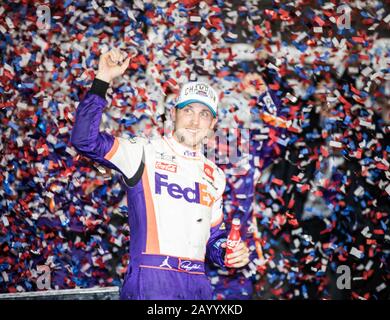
[(180, 140), (181, 148)]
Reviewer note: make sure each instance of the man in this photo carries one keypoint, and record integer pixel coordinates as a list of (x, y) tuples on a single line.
[(174, 193)]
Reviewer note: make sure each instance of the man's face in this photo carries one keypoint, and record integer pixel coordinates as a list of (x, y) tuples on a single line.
[(193, 123)]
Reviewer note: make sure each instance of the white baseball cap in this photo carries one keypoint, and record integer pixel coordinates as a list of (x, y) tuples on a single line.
[(198, 92)]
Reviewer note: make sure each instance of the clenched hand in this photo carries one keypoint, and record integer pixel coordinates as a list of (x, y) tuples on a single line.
[(239, 257), (112, 64)]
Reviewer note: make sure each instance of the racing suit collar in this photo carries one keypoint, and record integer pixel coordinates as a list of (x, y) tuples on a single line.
[(181, 149)]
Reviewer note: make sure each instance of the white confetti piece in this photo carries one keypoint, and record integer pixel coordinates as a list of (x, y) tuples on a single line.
[(52, 139), (204, 32), (63, 130), (85, 267), (359, 191), (19, 141), (296, 231), (49, 194), (374, 26), (273, 194), (356, 253), (5, 221), (71, 151), (369, 265), (272, 66), (5, 276), (283, 142), (63, 218), (366, 71), (107, 257), (232, 35), (9, 23), (335, 144), (9, 68), (291, 97), (40, 43), (388, 189), (195, 19), (381, 287), (301, 36), (366, 232)]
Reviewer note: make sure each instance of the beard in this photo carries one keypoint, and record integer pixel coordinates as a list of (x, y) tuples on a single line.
[(192, 139)]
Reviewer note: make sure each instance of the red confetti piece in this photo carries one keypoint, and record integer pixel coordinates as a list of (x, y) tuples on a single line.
[(319, 21), (277, 181)]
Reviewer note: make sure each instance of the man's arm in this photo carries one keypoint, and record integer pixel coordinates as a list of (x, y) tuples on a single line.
[(116, 153), (215, 252), (86, 137)]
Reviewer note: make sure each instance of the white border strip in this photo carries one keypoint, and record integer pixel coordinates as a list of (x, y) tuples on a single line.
[(64, 292)]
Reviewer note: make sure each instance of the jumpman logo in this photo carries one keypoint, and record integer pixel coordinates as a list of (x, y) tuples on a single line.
[(165, 263)]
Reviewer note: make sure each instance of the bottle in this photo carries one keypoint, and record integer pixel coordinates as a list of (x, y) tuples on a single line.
[(234, 237)]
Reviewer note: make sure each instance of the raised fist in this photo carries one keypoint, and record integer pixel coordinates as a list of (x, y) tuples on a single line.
[(112, 64)]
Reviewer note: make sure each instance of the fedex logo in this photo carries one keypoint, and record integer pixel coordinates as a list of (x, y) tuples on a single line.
[(198, 194)]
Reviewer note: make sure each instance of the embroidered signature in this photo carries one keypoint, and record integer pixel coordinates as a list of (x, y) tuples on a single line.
[(189, 265)]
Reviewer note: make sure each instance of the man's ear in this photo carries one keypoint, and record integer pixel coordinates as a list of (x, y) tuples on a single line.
[(210, 131), (213, 123), (173, 114)]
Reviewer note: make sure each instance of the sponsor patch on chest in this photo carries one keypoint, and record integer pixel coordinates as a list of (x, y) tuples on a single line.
[(171, 167)]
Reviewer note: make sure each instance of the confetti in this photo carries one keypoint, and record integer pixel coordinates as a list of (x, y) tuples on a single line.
[(313, 191)]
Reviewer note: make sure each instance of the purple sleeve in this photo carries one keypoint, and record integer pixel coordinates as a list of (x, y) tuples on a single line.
[(86, 137), (214, 252)]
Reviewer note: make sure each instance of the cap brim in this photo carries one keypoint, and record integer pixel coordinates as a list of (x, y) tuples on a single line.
[(187, 102)]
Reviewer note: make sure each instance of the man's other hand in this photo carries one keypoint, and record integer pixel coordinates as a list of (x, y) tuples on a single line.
[(239, 257)]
